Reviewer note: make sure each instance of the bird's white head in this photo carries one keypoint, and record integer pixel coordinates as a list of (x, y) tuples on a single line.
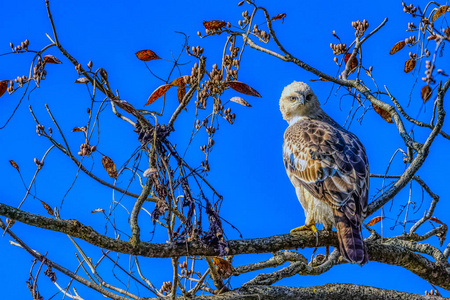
[(297, 101)]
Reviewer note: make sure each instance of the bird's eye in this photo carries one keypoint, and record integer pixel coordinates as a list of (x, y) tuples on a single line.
[(292, 98), (308, 97)]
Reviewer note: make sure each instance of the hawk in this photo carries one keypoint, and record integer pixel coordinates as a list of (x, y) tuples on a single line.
[(329, 169)]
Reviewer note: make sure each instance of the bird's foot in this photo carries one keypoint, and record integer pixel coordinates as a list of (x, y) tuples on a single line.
[(304, 228)]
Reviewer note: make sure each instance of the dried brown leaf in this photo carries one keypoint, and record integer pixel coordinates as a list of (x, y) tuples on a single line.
[(77, 129), (109, 166), (410, 64), (240, 101), (243, 88), (82, 80), (51, 59), (214, 24), (437, 220), (181, 93), (397, 47), (48, 208), (125, 106), (375, 221), (224, 267), (146, 55), (179, 81), (158, 93), (14, 164), (10, 222), (3, 87), (98, 210), (439, 12), (384, 114), (426, 93)]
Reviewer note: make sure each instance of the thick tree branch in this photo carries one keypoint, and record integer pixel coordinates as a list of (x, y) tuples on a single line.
[(336, 291), (390, 254)]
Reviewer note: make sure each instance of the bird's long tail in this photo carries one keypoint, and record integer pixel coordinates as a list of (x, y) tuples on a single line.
[(351, 243)]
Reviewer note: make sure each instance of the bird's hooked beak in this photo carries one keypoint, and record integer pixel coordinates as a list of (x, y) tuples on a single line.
[(301, 99)]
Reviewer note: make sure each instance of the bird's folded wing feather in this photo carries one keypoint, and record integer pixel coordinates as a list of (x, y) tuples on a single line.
[(329, 162)]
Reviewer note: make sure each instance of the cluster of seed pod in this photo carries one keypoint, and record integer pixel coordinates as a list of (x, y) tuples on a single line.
[(261, 34), (202, 96), (86, 149), (411, 26), (40, 129), (194, 75), (429, 73), (166, 287), (410, 41), (203, 123), (39, 163), (184, 271), (409, 9), (426, 52), (20, 80), (211, 87), (230, 117), (38, 71), (360, 27), (338, 48), (211, 130), (215, 84), (246, 19), (230, 60), (22, 47), (205, 165), (196, 51)]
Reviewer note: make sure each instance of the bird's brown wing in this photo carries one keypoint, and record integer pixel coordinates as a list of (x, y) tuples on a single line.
[(331, 164)]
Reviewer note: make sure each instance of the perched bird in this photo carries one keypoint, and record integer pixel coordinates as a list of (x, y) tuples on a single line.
[(329, 169)]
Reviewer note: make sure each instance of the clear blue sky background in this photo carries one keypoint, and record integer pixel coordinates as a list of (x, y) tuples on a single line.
[(246, 163)]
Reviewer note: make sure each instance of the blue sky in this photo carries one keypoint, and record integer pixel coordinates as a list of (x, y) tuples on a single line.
[(246, 164)]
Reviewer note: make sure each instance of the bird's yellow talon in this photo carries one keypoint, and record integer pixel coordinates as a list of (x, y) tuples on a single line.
[(304, 228)]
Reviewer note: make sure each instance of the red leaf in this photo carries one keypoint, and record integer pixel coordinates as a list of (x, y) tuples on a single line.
[(375, 221), (436, 220), (354, 62), (243, 88), (279, 16), (214, 24), (3, 87), (320, 79), (146, 55), (51, 59), (158, 93), (48, 208)]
